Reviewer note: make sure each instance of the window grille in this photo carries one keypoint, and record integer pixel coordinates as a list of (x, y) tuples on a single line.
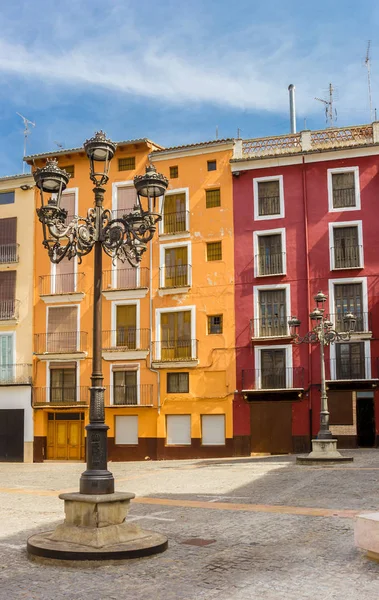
[(127, 163), (214, 251), (212, 198)]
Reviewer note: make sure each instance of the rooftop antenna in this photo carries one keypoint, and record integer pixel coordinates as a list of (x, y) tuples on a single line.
[(239, 133), (330, 115), (59, 144), (368, 66), (26, 134), (216, 132)]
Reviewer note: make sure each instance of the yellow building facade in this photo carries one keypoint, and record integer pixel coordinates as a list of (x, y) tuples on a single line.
[(168, 326)]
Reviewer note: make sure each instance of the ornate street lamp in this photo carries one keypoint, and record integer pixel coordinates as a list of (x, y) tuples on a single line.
[(124, 239), (324, 447)]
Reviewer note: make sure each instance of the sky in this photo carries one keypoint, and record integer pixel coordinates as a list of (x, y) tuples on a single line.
[(177, 71)]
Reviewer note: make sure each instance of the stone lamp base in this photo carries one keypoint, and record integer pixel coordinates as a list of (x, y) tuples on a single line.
[(323, 452), (95, 529)]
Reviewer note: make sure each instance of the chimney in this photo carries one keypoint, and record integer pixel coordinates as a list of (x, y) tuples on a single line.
[(291, 89)]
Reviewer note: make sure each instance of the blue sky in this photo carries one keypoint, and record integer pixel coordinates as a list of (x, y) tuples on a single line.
[(175, 70)]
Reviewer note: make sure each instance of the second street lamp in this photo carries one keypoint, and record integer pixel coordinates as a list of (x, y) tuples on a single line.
[(324, 446)]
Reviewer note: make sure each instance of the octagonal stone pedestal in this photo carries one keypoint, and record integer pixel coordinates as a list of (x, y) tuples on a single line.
[(366, 534), (95, 529), (323, 452)]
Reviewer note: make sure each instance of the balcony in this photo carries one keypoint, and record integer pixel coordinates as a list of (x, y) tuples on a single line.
[(125, 282), (175, 223), (131, 395), (269, 327), (347, 257), (270, 264), (9, 253), (18, 374), (175, 277), (9, 310), (176, 351), (47, 345), (362, 326), (61, 396), (63, 287), (127, 342), (356, 373), (286, 383)]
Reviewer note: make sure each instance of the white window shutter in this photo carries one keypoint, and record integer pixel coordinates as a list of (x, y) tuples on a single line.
[(213, 430), (178, 430), (126, 430)]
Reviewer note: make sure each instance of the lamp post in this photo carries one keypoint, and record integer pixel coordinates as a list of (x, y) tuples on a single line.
[(125, 239), (324, 446)]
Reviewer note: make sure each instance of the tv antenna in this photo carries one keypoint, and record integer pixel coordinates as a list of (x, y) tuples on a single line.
[(27, 131), (368, 66), (330, 114), (59, 144)]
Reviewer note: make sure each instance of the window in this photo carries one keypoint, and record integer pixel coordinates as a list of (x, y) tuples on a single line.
[(125, 387), (346, 251), (178, 430), (6, 357), (214, 251), (62, 329), (62, 382), (126, 430), (174, 213), (70, 169), (68, 202), (343, 190), (177, 383), (212, 198), (212, 165), (6, 197), (63, 280), (176, 267), (213, 430), (126, 326), (8, 240), (7, 295), (174, 172), (350, 361), (272, 313), (270, 254), (176, 335), (126, 199), (127, 164), (273, 369), (269, 198), (215, 324), (348, 298)]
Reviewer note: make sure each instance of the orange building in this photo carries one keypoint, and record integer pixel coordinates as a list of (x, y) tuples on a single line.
[(168, 326)]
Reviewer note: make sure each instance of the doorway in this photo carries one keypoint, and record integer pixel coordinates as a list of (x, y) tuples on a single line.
[(271, 427), (365, 419), (65, 436), (12, 435)]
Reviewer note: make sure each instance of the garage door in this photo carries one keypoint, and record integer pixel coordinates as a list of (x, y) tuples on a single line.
[(271, 427), (12, 435)]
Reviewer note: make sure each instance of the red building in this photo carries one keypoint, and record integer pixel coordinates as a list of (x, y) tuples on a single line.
[(306, 212)]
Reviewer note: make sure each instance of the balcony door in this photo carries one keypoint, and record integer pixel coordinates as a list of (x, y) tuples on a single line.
[(273, 369), (125, 387), (62, 329), (8, 239), (6, 357), (176, 335), (350, 361), (63, 382), (126, 326), (348, 298), (176, 261), (174, 213), (7, 295), (272, 313), (270, 258)]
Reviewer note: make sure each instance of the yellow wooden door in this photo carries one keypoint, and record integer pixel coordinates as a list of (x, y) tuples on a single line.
[(50, 440), (61, 440), (74, 442)]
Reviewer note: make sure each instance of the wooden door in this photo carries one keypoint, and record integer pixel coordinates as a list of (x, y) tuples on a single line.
[(61, 440), (271, 427), (65, 440), (74, 441)]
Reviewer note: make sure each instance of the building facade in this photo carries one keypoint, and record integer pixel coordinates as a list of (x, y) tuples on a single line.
[(304, 221), (16, 304)]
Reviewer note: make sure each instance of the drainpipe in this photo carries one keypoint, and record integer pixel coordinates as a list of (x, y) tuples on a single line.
[(151, 322), (306, 238)]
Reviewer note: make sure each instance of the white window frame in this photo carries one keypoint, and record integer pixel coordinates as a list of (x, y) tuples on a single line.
[(256, 235), (202, 428), (77, 320), (336, 170), (53, 267), (128, 367), (347, 280), (341, 225), (48, 378), (162, 261), (367, 357), (288, 366), (190, 430), (116, 303), (159, 311), (128, 416), (256, 181), (267, 288), (119, 264), (11, 334), (161, 210)]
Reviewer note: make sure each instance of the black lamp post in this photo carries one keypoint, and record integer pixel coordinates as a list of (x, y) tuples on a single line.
[(323, 334), (122, 238)]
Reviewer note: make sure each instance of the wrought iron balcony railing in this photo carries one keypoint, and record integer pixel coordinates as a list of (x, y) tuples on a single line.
[(353, 368), (272, 326), (125, 278), (9, 253), (175, 276), (175, 222), (270, 264), (126, 338), (65, 283), (18, 374), (273, 379), (363, 320), (131, 395), (60, 395), (65, 342), (176, 350), (9, 309), (347, 257)]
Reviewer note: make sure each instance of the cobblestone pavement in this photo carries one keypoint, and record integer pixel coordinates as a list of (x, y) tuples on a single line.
[(249, 528)]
